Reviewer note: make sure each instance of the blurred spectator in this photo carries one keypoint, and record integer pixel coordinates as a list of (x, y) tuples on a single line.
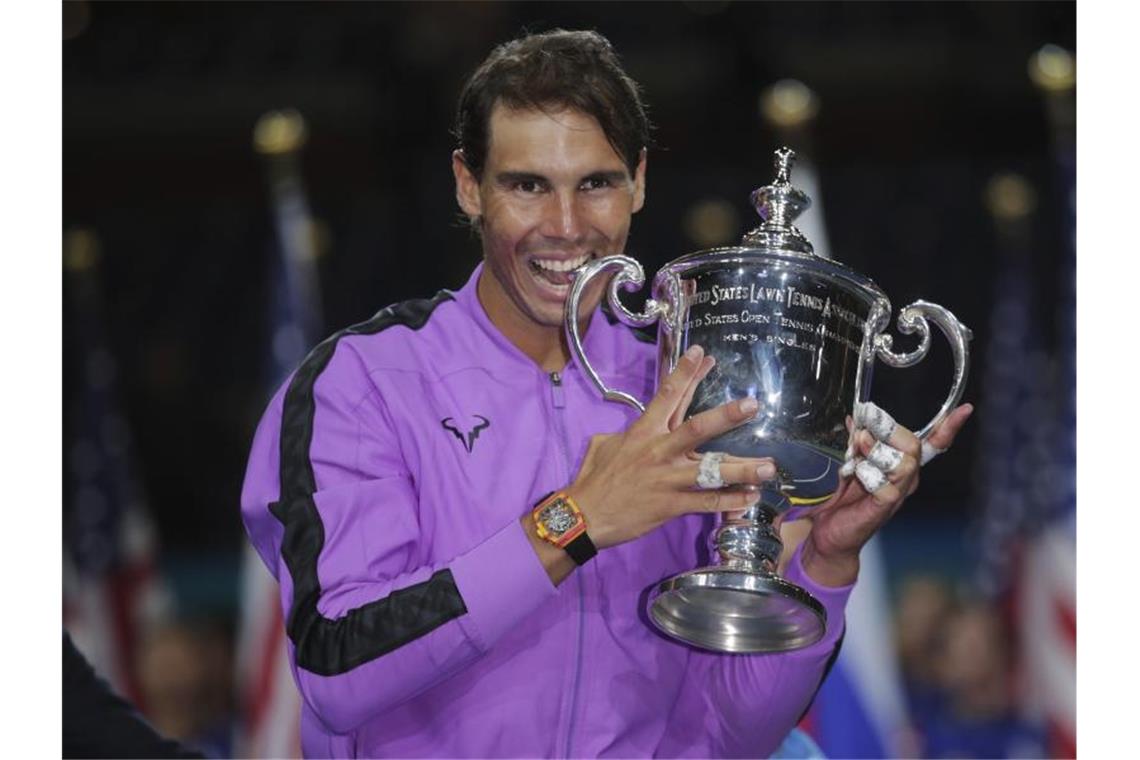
[(957, 663), (978, 717), (924, 606), (185, 672), (98, 722)]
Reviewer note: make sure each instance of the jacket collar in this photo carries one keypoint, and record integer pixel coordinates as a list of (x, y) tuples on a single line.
[(598, 342)]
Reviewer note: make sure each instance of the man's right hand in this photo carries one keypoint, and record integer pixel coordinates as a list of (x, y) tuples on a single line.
[(632, 482)]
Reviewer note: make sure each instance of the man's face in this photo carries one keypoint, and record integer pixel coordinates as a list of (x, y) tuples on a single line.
[(554, 194)]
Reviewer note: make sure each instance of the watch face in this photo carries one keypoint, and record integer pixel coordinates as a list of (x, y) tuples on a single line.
[(559, 518)]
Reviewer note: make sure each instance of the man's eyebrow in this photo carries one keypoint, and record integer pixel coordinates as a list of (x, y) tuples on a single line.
[(613, 176), (512, 178)]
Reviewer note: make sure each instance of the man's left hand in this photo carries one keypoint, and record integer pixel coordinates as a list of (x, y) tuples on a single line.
[(886, 458)]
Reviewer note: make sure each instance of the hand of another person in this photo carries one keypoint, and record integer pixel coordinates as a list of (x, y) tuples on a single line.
[(632, 482)]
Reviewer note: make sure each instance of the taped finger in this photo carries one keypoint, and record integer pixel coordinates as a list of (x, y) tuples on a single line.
[(870, 476), (744, 475), (848, 468), (874, 419), (708, 473), (881, 426), (885, 457), (929, 451)]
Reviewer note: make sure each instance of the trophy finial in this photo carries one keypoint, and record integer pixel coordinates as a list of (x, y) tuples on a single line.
[(785, 158), (779, 204)]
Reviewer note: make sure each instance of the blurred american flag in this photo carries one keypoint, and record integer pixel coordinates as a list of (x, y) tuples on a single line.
[(269, 724), (112, 591), (1027, 466)]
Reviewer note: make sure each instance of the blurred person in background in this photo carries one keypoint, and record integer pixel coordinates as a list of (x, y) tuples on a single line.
[(923, 610), (974, 672), (185, 676), (98, 722), (463, 530), (958, 664)]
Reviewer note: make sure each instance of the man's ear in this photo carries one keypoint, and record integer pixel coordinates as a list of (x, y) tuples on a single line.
[(466, 187), (639, 182)]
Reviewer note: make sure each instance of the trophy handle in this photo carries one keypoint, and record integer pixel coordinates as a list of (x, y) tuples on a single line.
[(914, 319), (630, 277)]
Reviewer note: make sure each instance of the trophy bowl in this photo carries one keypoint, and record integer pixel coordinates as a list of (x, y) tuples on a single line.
[(800, 333)]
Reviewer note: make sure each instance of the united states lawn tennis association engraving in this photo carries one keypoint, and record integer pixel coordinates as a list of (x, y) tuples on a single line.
[(795, 331)]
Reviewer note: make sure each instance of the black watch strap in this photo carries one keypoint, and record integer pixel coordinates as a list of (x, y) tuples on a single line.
[(581, 550)]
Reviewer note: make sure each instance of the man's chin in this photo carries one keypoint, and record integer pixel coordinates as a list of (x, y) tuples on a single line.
[(586, 309)]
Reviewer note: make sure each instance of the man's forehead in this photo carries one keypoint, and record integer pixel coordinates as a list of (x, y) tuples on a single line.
[(550, 135), (552, 110)]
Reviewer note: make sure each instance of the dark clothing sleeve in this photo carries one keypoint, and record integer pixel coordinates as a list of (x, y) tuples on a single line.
[(97, 722)]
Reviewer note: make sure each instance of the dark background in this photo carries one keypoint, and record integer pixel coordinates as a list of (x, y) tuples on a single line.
[(921, 105)]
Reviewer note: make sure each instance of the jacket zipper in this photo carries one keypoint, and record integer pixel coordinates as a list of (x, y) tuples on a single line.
[(558, 398)]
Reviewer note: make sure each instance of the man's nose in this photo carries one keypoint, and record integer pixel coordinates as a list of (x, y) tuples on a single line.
[(565, 217)]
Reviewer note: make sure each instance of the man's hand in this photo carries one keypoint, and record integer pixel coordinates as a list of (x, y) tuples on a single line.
[(886, 458), (634, 481)]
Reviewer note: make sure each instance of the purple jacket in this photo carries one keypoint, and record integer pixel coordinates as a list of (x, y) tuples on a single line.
[(384, 492)]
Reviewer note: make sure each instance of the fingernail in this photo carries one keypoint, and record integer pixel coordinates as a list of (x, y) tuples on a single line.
[(766, 471), (749, 406), (695, 352)]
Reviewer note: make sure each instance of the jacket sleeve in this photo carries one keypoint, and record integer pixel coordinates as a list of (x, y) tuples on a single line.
[(749, 703), (372, 619)]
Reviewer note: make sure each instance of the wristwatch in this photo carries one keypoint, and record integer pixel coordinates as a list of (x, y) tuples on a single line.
[(559, 521)]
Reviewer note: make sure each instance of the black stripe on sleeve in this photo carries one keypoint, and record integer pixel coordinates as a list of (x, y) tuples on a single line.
[(325, 646)]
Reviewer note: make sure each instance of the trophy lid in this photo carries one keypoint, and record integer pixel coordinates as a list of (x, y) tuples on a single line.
[(779, 204), (777, 241)]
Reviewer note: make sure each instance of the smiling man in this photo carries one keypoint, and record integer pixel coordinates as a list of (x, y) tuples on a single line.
[(464, 531), (550, 194)]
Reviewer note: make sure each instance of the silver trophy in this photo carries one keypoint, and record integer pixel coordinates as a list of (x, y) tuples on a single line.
[(800, 333)]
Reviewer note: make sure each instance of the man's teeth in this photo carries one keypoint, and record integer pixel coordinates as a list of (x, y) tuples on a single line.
[(556, 265)]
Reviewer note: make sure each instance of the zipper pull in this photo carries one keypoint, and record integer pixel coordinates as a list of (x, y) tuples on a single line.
[(556, 390)]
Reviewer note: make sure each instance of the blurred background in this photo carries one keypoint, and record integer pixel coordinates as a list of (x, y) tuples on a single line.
[(240, 180)]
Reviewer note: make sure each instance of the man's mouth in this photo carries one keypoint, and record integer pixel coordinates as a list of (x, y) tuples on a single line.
[(558, 272)]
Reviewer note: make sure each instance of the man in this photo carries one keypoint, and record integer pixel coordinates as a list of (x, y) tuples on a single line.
[(398, 483)]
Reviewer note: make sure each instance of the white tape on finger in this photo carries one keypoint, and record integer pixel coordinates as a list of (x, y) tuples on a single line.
[(884, 456), (708, 472), (870, 476), (848, 468), (876, 420), (929, 451)]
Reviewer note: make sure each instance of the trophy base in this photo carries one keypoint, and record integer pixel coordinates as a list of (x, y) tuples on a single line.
[(736, 610)]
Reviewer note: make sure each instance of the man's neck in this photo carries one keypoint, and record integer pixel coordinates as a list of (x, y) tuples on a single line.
[(545, 346)]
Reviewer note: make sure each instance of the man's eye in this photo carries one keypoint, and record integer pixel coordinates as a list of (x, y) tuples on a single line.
[(595, 183), (528, 186)]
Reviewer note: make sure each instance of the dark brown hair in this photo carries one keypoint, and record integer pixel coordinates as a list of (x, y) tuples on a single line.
[(555, 69)]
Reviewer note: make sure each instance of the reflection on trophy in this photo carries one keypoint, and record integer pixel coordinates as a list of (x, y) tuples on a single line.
[(799, 333)]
